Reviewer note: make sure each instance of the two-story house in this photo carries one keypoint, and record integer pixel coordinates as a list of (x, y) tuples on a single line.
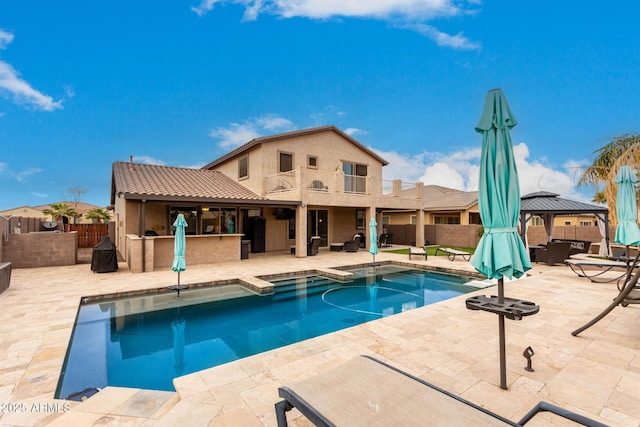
[(274, 192)]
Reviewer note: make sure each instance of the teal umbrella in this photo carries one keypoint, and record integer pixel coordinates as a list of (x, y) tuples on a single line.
[(373, 238), (627, 232), (500, 251), (179, 245)]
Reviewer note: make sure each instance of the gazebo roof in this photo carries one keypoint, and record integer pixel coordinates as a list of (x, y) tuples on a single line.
[(546, 202)]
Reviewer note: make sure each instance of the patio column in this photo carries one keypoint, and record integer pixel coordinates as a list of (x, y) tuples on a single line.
[(301, 230), (419, 228)]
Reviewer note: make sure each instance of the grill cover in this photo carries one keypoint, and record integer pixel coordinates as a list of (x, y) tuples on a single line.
[(104, 258)]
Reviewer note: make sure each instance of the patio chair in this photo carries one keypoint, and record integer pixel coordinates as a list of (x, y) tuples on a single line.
[(554, 253), (629, 294), (312, 246), (452, 253), (352, 245), (367, 392)]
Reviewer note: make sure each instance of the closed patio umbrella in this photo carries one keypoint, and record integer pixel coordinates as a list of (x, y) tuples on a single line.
[(373, 238), (500, 251), (627, 231), (179, 263)]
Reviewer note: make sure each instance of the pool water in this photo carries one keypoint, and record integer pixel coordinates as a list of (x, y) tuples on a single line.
[(146, 342)]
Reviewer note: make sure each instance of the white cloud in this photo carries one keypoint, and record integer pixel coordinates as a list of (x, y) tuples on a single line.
[(19, 89), (5, 39), (3, 168), (354, 131), (22, 176), (237, 134), (148, 160), (40, 195), (408, 14), (458, 41), (460, 170)]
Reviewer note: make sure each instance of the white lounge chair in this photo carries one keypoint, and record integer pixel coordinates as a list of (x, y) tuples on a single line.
[(452, 253)]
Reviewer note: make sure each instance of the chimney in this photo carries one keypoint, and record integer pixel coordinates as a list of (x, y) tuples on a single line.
[(131, 162)]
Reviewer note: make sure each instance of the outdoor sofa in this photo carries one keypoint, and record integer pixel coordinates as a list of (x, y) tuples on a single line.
[(553, 253), (353, 245)]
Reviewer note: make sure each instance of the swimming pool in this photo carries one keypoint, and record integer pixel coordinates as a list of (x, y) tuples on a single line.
[(147, 341)]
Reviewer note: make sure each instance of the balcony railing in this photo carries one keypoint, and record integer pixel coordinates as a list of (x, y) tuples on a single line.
[(280, 183)]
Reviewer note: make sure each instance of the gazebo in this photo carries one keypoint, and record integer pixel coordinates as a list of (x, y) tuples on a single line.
[(548, 205)]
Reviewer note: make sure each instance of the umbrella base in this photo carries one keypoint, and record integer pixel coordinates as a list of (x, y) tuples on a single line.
[(178, 288), (511, 308)]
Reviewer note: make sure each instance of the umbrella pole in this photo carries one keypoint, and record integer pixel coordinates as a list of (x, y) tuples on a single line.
[(178, 281), (503, 361)]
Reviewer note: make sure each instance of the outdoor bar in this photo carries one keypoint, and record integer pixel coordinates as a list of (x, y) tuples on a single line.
[(157, 251)]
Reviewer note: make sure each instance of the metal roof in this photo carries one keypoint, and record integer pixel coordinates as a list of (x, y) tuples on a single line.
[(137, 181), (546, 202)]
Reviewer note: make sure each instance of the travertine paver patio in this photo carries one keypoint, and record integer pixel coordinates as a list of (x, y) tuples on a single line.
[(597, 373)]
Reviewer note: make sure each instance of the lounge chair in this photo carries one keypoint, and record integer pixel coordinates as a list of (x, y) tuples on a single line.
[(452, 253), (352, 245), (367, 392), (554, 253), (629, 294), (414, 250), (593, 268)]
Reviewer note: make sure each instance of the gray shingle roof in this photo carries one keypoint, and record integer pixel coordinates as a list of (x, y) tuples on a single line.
[(138, 181)]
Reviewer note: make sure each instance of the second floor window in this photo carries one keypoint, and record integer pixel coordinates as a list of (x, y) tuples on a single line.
[(286, 162), (243, 167), (355, 177)]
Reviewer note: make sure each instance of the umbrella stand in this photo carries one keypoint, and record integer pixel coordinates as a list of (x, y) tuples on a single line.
[(509, 308), (502, 333)]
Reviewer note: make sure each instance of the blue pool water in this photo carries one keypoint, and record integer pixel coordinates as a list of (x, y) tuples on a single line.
[(145, 342)]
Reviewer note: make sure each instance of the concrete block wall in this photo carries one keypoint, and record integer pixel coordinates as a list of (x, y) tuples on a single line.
[(28, 250)]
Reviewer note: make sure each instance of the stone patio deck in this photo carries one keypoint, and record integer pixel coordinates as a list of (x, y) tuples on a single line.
[(596, 374)]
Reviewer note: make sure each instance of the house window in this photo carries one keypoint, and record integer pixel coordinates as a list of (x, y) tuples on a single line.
[(361, 219), (414, 220), (312, 162), (441, 219), (386, 220), (286, 162), (586, 223), (243, 167), (567, 223), (355, 177), (536, 220)]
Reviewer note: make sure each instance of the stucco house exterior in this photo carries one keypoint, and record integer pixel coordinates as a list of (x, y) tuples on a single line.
[(441, 205), (274, 192)]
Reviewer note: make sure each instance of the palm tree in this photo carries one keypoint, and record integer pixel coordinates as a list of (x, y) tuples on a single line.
[(622, 150), (59, 210), (98, 214)]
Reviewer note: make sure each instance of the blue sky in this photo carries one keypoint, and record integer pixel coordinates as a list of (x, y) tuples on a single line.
[(84, 84)]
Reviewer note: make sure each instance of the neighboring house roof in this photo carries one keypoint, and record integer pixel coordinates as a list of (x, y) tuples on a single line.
[(293, 134), (546, 202), (80, 207), (151, 182), (437, 197)]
